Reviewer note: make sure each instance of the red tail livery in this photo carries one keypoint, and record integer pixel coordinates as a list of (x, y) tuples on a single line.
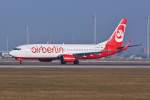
[(67, 53)]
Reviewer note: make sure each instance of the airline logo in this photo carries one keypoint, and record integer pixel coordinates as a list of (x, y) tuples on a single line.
[(116, 39), (119, 36), (49, 49)]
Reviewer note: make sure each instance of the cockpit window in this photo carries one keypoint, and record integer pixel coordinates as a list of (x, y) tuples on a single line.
[(17, 49)]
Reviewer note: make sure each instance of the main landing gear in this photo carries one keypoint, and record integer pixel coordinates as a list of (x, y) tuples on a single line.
[(76, 62), (62, 61)]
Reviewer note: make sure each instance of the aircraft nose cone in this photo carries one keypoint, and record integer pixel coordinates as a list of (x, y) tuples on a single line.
[(12, 53)]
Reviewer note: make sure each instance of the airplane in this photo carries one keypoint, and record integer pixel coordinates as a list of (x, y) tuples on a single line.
[(72, 53)]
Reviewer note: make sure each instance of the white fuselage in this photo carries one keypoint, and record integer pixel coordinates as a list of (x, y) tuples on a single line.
[(54, 50)]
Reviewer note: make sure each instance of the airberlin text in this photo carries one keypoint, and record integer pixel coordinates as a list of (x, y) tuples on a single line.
[(48, 49)]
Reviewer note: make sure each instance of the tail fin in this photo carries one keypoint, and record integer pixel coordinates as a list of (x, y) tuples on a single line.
[(116, 39)]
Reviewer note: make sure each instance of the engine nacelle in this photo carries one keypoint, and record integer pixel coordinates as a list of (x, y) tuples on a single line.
[(45, 60), (69, 58)]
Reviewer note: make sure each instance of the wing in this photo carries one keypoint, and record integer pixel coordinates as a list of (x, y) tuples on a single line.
[(85, 54), (89, 53), (123, 48), (106, 51)]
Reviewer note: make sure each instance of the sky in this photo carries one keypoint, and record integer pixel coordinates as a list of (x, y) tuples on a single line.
[(71, 21)]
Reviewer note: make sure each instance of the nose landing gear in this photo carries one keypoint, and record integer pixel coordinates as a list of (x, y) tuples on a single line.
[(20, 60)]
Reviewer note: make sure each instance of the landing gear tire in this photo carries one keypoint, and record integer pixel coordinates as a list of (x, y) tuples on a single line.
[(20, 61), (76, 62), (62, 60)]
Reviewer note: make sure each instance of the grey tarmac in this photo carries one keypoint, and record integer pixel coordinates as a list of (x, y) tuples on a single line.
[(83, 64)]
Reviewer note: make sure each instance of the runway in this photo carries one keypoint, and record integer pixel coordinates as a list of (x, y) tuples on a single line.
[(83, 64)]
